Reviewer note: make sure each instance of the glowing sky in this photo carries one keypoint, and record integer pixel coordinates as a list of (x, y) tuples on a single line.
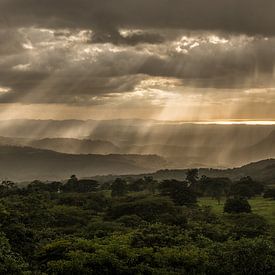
[(168, 60)]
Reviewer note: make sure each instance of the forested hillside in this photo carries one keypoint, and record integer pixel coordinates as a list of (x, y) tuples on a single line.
[(262, 170)]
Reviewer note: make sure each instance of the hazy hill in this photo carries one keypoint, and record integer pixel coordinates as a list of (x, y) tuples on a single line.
[(183, 156), (65, 145), (177, 156), (183, 145), (138, 132), (263, 170), (264, 148), (26, 163), (75, 146)]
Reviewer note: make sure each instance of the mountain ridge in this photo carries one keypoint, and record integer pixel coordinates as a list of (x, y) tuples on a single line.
[(27, 163)]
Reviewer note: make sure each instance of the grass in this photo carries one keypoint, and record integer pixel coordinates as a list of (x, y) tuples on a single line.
[(259, 205)]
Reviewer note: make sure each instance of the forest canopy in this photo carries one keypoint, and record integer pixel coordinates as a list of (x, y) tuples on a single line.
[(135, 226)]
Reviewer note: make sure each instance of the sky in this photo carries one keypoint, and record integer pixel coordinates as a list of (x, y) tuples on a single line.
[(183, 60)]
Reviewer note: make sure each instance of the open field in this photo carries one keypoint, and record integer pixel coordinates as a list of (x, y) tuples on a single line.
[(261, 206)]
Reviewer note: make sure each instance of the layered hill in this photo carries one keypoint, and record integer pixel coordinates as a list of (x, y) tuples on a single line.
[(183, 145), (26, 163)]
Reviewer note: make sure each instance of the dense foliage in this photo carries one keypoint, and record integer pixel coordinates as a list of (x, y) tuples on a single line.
[(132, 227), (237, 205)]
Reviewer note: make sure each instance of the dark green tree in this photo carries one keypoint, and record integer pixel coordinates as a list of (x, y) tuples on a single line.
[(119, 188), (10, 262), (192, 177), (237, 205), (246, 187), (178, 191), (150, 184), (214, 187), (70, 184)]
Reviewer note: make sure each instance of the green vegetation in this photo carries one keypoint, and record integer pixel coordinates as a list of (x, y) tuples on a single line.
[(137, 226), (261, 206), (236, 206)]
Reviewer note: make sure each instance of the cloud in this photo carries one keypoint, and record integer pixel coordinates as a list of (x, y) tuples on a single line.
[(233, 16), (125, 38), (11, 42), (86, 52), (237, 63), (82, 89), (64, 66)]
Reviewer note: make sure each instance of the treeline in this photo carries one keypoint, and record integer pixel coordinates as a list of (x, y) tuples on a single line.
[(133, 227)]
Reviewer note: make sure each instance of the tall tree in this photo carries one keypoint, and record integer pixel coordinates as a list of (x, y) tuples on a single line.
[(119, 187), (178, 191)]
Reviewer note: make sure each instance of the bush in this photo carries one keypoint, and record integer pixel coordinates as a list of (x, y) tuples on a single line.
[(101, 229), (130, 220), (269, 193), (10, 262), (148, 209), (248, 225), (237, 205), (159, 235), (245, 256)]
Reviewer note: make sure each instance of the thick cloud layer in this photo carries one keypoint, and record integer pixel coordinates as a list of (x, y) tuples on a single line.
[(67, 66), (87, 52), (241, 16)]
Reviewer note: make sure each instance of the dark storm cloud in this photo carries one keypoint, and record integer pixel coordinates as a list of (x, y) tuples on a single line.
[(233, 65), (10, 42), (114, 36), (37, 87), (54, 76), (91, 49), (240, 16), (218, 66)]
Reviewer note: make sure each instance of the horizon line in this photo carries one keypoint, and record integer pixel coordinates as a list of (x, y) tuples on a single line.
[(203, 122)]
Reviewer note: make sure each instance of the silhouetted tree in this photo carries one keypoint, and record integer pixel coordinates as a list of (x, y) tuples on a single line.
[(7, 187), (70, 184), (192, 176), (118, 188), (246, 187), (178, 191), (136, 185), (86, 185), (214, 187), (39, 186)]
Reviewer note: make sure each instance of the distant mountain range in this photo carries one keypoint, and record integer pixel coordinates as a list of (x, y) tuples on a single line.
[(50, 149), (76, 146), (262, 149), (65, 145), (26, 163), (177, 156), (138, 132)]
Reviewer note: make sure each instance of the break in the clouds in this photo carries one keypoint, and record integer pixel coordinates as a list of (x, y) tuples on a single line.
[(156, 55)]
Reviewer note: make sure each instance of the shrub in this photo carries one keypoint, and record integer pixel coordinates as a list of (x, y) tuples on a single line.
[(237, 205)]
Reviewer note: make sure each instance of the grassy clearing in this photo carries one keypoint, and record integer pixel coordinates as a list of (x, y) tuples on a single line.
[(261, 206)]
